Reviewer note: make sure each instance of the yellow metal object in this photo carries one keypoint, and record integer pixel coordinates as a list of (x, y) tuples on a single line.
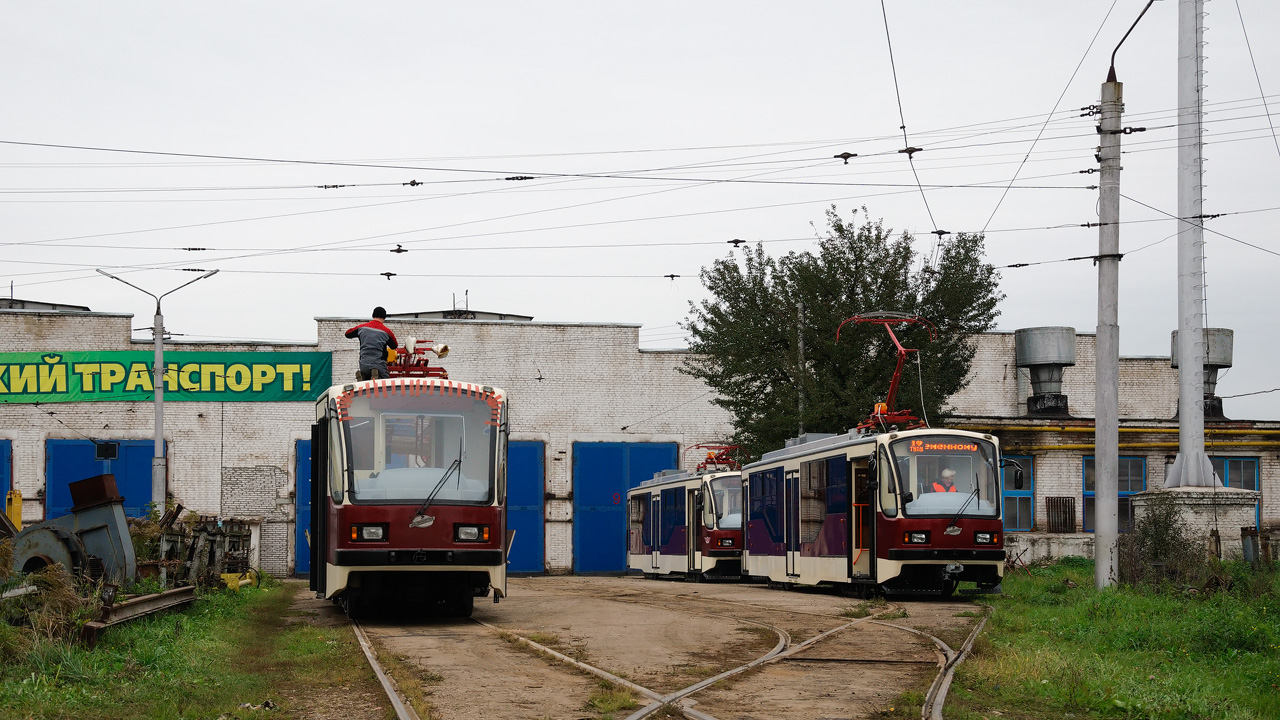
[(391, 355), (235, 581), (13, 507)]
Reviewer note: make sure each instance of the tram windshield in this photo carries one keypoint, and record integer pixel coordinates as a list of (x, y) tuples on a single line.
[(405, 448), (947, 473), (726, 493)]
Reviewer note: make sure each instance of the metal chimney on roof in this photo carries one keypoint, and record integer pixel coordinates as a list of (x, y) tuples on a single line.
[(1218, 345), (1045, 351)]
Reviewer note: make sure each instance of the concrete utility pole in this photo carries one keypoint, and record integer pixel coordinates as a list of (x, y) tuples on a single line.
[(800, 373), (1192, 466), (157, 459), (1106, 459)]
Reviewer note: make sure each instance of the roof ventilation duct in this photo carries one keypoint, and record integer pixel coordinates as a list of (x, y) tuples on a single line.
[(1218, 345), (1045, 351)]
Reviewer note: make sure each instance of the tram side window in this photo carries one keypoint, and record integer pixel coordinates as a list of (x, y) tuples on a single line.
[(708, 507), (672, 513), (766, 502), (813, 499), (336, 475), (888, 494), (639, 529)]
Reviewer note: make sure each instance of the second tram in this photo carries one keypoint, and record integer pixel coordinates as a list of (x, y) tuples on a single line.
[(686, 523)]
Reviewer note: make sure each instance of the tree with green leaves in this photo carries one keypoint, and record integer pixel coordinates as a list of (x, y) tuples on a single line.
[(765, 340)]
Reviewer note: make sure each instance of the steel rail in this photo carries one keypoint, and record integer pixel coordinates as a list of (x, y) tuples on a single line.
[(404, 710), (948, 672), (598, 672)]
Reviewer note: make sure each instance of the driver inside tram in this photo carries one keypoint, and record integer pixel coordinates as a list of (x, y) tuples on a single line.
[(946, 481)]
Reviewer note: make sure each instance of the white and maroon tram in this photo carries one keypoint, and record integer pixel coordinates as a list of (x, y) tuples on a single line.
[(409, 489), (865, 511), (916, 509), (686, 523)]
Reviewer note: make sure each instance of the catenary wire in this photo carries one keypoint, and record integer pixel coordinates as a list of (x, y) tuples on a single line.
[(1201, 225), (1256, 76), (1061, 95)]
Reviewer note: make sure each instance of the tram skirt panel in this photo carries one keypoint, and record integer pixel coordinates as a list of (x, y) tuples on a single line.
[(525, 493), (602, 474)]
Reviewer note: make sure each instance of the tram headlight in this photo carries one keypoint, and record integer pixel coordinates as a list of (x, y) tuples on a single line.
[(986, 538), (726, 542), (471, 533), (916, 537), (368, 533)]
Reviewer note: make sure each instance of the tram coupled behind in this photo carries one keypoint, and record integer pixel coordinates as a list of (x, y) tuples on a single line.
[(862, 512), (686, 524), (409, 493)]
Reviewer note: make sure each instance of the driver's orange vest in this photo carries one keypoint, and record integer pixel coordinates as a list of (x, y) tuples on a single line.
[(938, 487)]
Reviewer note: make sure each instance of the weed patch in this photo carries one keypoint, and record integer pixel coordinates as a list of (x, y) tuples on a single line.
[(609, 698)]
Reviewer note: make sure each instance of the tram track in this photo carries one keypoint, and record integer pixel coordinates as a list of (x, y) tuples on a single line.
[(784, 651)]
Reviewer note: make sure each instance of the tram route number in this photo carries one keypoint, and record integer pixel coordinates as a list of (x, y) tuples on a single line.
[(617, 498)]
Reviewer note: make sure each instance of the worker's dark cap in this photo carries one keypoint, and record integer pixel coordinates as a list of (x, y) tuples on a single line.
[(380, 312)]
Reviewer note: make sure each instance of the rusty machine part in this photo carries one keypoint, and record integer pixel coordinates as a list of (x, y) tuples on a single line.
[(92, 541), (213, 547)]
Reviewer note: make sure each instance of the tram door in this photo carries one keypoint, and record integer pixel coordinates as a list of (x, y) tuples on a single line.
[(694, 523), (861, 555), (655, 528), (791, 525)]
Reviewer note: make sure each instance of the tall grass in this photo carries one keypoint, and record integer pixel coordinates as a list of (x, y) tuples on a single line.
[(1052, 650), (227, 649)]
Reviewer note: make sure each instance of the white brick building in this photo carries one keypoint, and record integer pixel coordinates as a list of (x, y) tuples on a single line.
[(573, 387)]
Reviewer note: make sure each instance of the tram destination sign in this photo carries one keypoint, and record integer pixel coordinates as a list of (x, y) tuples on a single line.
[(192, 376)]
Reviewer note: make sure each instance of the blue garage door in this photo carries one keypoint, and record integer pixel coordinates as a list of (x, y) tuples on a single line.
[(602, 475), (302, 520), (6, 469), (525, 488), (67, 461)]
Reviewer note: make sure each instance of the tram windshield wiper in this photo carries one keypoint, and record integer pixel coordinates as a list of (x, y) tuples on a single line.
[(419, 516), (952, 528)]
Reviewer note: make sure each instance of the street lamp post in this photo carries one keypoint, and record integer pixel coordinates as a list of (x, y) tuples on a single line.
[(157, 460)]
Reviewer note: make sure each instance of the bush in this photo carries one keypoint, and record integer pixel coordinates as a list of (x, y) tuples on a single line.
[(1162, 549)]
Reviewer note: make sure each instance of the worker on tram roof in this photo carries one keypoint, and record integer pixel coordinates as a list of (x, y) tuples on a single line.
[(375, 339), (946, 481)]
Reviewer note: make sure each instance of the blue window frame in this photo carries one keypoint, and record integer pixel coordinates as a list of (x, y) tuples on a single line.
[(1131, 477), (1239, 472), (1019, 505)]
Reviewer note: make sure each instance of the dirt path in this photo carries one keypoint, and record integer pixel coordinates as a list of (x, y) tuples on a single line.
[(665, 636), (469, 673)]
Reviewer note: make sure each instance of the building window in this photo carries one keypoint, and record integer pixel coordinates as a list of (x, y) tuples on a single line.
[(1131, 477), (1239, 472), (1019, 505)]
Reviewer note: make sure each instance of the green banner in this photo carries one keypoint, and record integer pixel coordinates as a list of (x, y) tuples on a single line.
[(52, 377)]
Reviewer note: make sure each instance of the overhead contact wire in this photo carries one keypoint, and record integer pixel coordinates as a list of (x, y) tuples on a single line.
[(902, 118), (1061, 95)]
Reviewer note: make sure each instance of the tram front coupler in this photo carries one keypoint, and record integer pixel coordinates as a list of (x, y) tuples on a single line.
[(952, 571)]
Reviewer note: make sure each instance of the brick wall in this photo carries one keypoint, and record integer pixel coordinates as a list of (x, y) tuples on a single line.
[(998, 388)]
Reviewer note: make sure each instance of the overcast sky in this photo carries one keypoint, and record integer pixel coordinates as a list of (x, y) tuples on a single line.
[(671, 100)]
